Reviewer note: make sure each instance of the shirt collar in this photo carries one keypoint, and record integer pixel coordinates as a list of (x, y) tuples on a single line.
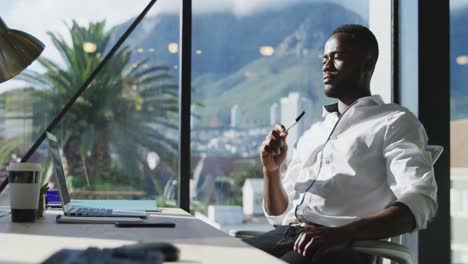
[(368, 100), (328, 109)]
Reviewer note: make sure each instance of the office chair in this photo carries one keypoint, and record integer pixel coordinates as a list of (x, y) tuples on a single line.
[(390, 249)]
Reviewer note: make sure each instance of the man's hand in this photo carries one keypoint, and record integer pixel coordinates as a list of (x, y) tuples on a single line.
[(274, 148), (323, 240), (272, 154)]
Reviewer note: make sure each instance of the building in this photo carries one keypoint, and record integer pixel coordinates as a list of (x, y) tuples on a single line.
[(237, 117), (417, 58), (275, 114), (252, 197), (459, 189)]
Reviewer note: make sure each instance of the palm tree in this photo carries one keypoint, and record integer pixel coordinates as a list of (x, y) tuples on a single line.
[(130, 107)]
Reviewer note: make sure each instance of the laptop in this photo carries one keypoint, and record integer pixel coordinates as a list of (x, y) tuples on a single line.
[(73, 210)]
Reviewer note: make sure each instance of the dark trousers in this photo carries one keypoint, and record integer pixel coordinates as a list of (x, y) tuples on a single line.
[(280, 241)]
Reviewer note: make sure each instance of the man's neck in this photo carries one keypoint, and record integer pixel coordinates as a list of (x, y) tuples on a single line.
[(344, 103), (342, 106)]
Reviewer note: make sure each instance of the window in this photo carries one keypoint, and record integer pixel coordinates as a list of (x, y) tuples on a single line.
[(458, 128), (254, 65), (117, 140)]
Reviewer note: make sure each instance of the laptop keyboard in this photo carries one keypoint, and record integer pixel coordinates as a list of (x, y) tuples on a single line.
[(93, 211)]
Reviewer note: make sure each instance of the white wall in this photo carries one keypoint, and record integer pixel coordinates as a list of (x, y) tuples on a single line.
[(380, 23)]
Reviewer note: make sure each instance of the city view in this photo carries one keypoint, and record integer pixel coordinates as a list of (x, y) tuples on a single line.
[(254, 65)]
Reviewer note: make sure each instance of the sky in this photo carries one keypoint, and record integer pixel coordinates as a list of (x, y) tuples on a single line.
[(39, 16), (457, 4)]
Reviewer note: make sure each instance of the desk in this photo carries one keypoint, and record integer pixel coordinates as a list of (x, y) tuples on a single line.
[(197, 241)]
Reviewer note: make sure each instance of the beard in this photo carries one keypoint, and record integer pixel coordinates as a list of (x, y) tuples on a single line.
[(340, 90), (347, 87), (332, 91)]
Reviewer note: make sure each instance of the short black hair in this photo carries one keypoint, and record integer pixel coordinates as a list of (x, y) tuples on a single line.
[(362, 36)]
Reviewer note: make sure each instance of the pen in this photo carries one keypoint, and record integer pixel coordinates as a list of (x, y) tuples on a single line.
[(293, 123), (290, 126)]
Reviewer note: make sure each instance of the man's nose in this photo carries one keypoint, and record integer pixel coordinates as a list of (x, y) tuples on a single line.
[(327, 66)]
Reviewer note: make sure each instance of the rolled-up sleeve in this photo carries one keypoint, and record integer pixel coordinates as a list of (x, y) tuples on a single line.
[(410, 172), (288, 179)]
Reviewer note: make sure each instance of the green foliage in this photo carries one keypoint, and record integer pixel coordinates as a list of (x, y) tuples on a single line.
[(235, 200), (244, 169), (131, 106), (8, 147), (270, 79), (44, 189), (161, 202), (196, 206)]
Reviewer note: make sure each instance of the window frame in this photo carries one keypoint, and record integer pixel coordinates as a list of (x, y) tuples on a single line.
[(401, 90)]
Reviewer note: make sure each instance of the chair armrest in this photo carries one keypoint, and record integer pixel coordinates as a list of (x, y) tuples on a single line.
[(384, 249), (244, 233)]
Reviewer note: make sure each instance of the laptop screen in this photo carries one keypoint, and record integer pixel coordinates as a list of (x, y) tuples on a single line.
[(57, 161)]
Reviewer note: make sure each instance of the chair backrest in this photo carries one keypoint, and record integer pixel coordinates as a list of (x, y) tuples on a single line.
[(435, 151)]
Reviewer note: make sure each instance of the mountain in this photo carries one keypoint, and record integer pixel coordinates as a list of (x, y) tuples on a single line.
[(229, 42), (228, 68)]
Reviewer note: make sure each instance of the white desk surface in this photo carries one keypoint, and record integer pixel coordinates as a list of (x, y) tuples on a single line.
[(198, 242)]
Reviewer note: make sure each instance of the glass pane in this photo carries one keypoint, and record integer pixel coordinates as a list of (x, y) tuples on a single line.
[(118, 140), (458, 129), (265, 69)]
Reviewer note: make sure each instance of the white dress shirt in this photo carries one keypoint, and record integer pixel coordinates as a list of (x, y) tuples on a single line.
[(352, 166)]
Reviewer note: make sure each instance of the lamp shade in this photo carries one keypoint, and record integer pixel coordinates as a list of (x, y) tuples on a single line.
[(17, 50)]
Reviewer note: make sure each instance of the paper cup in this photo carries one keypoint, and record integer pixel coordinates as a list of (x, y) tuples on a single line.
[(24, 184)]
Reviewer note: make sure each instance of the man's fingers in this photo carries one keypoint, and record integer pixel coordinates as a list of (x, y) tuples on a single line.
[(275, 135), (307, 247), (264, 150), (274, 147), (280, 128), (278, 134), (274, 143), (281, 131), (301, 241), (312, 246), (296, 243), (269, 147)]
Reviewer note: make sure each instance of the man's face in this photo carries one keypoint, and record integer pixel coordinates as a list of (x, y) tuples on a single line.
[(343, 67)]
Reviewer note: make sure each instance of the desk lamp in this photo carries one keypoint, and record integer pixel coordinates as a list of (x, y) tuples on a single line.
[(17, 50)]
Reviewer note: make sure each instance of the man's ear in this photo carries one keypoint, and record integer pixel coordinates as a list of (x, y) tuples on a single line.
[(369, 65)]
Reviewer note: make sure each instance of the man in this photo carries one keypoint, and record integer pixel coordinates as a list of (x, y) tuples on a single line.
[(361, 173)]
